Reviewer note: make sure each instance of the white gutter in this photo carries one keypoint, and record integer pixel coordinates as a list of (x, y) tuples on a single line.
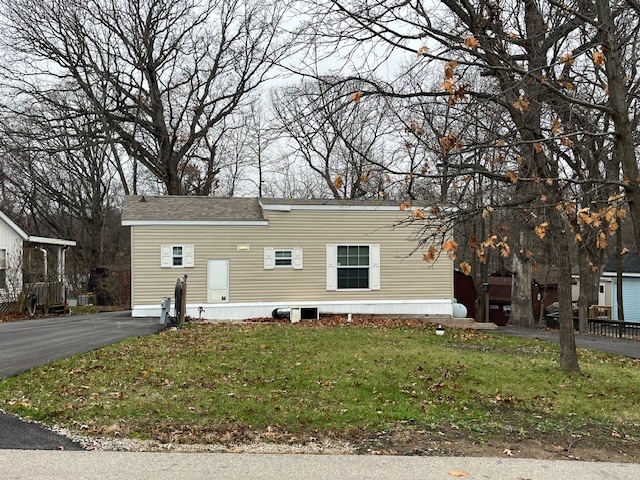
[(50, 241), (206, 223)]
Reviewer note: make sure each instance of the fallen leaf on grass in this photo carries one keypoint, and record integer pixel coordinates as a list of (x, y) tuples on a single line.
[(507, 452), (458, 473)]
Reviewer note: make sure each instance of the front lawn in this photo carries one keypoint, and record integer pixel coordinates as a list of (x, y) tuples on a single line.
[(363, 383)]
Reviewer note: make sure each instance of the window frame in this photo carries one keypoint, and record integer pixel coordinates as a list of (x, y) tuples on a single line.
[(296, 258), (348, 267), (168, 255), (276, 251), (332, 267)]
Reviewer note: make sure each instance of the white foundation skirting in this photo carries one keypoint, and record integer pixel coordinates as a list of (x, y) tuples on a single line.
[(241, 311)]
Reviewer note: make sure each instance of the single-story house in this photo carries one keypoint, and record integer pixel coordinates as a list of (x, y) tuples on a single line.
[(246, 257), (608, 289), (24, 265)]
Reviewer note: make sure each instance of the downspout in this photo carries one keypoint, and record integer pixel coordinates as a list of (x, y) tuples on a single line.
[(46, 267), (62, 263), (46, 276)]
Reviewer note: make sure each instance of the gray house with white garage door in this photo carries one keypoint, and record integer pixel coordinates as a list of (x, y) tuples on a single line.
[(245, 257)]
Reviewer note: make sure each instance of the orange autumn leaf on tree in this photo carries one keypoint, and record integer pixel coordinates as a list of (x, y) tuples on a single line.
[(450, 246), (598, 58), (521, 104), (537, 147), (423, 50), (405, 205), (557, 127), (512, 176), (567, 142), (602, 241), (541, 230), (471, 42), (338, 182), (567, 58), (448, 85), (450, 142), (355, 96), (465, 268), (418, 214), (449, 69), (430, 255)]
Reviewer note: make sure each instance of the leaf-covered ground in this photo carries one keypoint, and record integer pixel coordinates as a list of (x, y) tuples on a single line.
[(384, 385)]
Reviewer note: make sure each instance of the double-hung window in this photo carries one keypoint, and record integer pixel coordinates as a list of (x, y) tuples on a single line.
[(176, 256), (353, 267), (283, 258)]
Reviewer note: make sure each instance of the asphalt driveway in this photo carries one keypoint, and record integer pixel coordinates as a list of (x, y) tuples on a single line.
[(29, 343)]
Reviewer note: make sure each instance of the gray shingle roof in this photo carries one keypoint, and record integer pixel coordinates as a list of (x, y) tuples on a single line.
[(178, 208), (630, 263), (188, 208)]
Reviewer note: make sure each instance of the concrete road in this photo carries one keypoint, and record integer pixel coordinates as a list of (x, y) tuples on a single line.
[(194, 466), (29, 343)]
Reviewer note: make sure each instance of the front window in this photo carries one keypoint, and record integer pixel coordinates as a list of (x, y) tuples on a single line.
[(353, 266), (177, 256), (284, 258)]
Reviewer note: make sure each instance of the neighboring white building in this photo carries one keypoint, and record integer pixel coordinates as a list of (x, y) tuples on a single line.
[(18, 248)]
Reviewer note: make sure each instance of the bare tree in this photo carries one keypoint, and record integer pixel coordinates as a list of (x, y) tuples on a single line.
[(59, 169), (340, 140), (158, 74)]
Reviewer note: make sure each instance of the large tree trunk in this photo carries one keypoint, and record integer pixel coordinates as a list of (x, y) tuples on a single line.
[(521, 304), (568, 354)]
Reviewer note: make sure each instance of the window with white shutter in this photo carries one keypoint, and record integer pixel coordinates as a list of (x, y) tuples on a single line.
[(353, 267), (177, 256), (283, 258)]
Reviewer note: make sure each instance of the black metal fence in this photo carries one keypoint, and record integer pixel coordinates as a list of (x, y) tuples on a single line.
[(614, 328)]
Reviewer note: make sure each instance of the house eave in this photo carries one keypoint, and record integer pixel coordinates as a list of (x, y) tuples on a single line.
[(195, 223), (50, 241), (17, 230), (335, 208)]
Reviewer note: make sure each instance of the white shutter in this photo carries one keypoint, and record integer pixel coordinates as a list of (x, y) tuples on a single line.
[(374, 267), (188, 253), (297, 258), (166, 256), (332, 270), (269, 259)]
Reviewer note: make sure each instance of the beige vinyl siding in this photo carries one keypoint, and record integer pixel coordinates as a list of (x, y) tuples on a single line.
[(402, 275)]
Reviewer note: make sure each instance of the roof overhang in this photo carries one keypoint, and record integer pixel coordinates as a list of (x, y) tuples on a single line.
[(195, 223), (624, 274), (283, 207), (17, 230), (50, 241)]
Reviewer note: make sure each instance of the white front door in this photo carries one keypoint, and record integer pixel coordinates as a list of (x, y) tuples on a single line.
[(218, 281), (602, 297)]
